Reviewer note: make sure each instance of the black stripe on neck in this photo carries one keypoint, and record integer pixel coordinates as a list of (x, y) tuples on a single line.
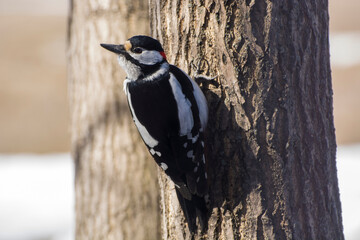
[(147, 70)]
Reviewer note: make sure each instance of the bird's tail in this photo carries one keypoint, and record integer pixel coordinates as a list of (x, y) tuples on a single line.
[(196, 207)]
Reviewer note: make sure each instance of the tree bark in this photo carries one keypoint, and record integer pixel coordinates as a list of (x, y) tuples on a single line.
[(116, 185), (270, 138)]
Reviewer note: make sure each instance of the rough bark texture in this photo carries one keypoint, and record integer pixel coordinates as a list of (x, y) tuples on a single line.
[(116, 184), (270, 138)]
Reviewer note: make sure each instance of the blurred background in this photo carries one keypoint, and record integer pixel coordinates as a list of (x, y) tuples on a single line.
[(36, 172)]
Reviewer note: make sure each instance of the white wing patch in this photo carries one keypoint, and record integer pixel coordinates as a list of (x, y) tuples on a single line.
[(201, 102), (148, 139), (184, 107), (163, 166), (153, 152), (190, 154)]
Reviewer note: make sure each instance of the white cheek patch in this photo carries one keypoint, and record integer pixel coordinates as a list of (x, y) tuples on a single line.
[(147, 57), (132, 71)]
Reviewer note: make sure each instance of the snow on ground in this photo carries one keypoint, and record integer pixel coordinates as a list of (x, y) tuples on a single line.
[(37, 195), (344, 49), (348, 164)]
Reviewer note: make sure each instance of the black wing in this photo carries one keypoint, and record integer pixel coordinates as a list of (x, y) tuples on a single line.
[(189, 148), (181, 156), (177, 148)]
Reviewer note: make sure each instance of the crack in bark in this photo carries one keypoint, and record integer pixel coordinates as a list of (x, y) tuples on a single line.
[(261, 142)]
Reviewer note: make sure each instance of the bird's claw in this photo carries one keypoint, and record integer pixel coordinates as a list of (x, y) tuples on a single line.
[(206, 80)]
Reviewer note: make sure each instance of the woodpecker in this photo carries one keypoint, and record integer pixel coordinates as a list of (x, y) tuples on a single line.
[(170, 112)]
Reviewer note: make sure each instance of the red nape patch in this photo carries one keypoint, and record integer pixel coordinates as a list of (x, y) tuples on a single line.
[(163, 55)]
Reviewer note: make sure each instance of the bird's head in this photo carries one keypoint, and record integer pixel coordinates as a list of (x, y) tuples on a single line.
[(138, 56)]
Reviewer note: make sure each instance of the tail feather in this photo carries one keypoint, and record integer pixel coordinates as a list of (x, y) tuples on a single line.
[(196, 207)]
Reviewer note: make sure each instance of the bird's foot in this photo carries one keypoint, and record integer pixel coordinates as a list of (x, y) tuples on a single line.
[(206, 80)]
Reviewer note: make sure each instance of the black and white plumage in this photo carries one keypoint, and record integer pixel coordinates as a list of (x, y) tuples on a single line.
[(171, 113)]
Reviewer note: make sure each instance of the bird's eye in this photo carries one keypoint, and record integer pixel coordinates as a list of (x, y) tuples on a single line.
[(137, 50)]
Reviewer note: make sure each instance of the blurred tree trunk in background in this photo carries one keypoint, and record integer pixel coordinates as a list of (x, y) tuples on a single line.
[(270, 138), (116, 183)]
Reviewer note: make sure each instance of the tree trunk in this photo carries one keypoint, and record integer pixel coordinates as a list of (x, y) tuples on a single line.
[(116, 184), (270, 137)]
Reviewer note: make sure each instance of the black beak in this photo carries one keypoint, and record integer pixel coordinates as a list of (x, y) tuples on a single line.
[(118, 49)]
